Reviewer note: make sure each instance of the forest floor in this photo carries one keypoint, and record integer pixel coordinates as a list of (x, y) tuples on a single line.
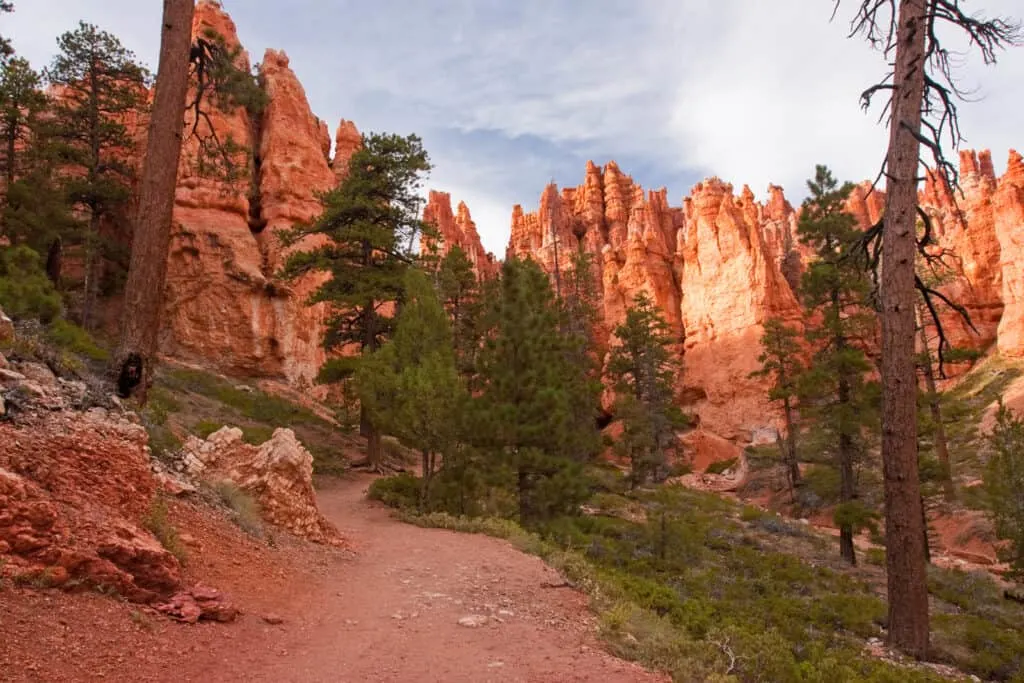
[(405, 604)]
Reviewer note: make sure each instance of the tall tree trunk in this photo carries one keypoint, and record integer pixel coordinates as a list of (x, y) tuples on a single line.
[(847, 490), (792, 464), (935, 408), (905, 553), (90, 267), (147, 272)]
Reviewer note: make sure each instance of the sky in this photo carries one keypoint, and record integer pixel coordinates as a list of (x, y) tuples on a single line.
[(509, 95)]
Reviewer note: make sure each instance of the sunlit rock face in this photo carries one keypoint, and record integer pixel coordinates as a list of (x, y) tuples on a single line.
[(714, 266), (226, 305), (456, 229), (723, 263)]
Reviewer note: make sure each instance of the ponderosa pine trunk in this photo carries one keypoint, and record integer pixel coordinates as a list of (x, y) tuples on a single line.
[(904, 537), (847, 488), (147, 272), (90, 267), (792, 463)]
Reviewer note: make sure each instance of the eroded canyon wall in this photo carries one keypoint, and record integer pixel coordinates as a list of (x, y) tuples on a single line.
[(456, 229), (718, 263), (721, 264), (226, 305)]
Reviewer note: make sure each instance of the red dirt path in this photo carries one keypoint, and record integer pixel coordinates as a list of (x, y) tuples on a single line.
[(389, 613)]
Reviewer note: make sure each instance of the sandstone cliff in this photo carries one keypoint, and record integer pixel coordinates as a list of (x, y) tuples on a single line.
[(711, 266), (721, 264), (225, 305), (457, 230), (718, 264)]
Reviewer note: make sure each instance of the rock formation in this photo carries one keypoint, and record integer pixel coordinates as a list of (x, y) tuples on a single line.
[(226, 306), (709, 265), (718, 265), (722, 264), (75, 486), (731, 284), (278, 474), (1008, 207), (457, 230), (346, 141)]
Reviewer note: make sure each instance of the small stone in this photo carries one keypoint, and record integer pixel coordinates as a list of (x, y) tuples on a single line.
[(397, 616), (273, 619), (473, 621), (10, 376)]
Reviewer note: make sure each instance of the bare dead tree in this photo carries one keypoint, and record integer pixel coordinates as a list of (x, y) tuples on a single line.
[(921, 112)]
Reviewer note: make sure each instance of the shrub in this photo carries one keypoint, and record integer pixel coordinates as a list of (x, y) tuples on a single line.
[(74, 339), (204, 428), (157, 523), (257, 434), (401, 491), (245, 510), (25, 291), (721, 467), (1004, 484), (160, 406), (749, 513), (875, 556)]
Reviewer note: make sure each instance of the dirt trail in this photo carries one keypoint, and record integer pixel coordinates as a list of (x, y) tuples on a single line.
[(391, 613), (394, 614)]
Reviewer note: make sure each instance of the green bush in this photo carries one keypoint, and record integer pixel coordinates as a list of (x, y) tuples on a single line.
[(721, 467), (245, 510), (25, 291), (749, 513), (253, 404), (401, 491), (74, 339), (819, 487), (875, 556), (157, 523), (980, 647), (204, 428), (257, 435)]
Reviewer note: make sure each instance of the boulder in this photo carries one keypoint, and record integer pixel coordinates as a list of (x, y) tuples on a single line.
[(278, 474)]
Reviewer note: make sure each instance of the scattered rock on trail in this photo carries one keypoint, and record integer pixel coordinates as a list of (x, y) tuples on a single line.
[(473, 621), (278, 473), (201, 603)]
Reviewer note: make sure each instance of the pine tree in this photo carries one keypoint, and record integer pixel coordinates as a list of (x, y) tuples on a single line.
[(921, 110), (781, 361), (1004, 482), (5, 44), (21, 104), (459, 292), (35, 210), (522, 412), (411, 387), (370, 224), (147, 272), (834, 292), (644, 372), (579, 319), (99, 86)]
